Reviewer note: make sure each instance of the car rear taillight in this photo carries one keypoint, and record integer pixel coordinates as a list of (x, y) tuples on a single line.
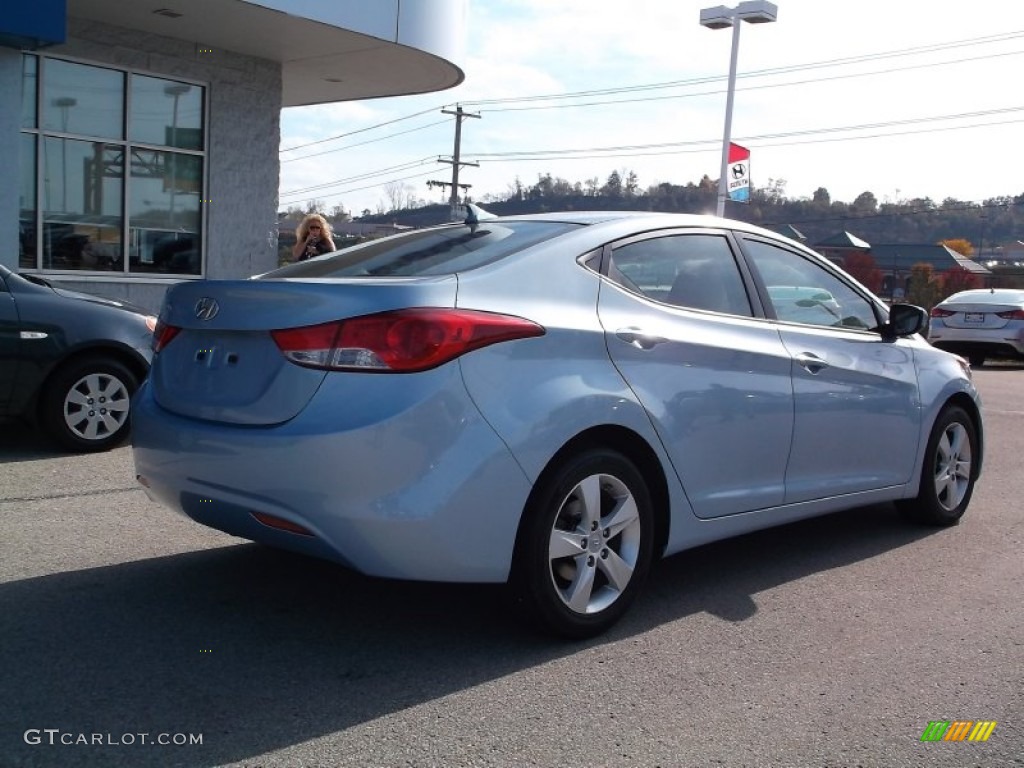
[(936, 312), (163, 334), (404, 340), (1013, 314)]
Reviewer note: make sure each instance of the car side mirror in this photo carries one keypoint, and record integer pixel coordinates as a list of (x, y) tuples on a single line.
[(904, 320)]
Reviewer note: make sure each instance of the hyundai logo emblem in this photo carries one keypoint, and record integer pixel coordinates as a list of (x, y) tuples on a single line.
[(207, 308)]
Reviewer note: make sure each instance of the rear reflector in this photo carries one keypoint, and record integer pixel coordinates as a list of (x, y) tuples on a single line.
[(271, 521), (404, 340)]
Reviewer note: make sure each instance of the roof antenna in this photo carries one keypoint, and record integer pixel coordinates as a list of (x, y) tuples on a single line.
[(475, 214)]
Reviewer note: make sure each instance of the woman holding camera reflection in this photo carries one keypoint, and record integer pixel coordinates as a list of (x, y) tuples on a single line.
[(312, 238)]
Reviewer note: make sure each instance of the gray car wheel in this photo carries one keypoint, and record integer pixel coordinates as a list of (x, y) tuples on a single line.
[(86, 405), (586, 545), (949, 470)]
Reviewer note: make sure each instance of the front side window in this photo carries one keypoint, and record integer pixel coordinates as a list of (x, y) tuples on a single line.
[(112, 174), (802, 291), (695, 271)]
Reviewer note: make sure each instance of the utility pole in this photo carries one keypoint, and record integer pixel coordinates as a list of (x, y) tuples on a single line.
[(455, 162)]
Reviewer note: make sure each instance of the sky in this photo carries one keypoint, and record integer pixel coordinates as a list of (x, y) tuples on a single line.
[(905, 99)]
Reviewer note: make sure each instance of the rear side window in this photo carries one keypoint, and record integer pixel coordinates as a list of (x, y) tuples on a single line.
[(438, 251), (693, 271)]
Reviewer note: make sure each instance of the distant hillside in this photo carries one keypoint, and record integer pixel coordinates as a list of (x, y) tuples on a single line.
[(997, 221)]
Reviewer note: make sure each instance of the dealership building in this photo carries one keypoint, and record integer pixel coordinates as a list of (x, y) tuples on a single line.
[(141, 138)]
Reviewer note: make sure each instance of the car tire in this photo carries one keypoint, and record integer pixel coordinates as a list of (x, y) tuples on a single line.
[(948, 472), (85, 406), (585, 545)]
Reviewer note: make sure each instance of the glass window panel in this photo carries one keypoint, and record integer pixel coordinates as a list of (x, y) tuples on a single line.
[(82, 194), (29, 82), (164, 212), (801, 291), (692, 271), (27, 203), (83, 100), (166, 112)]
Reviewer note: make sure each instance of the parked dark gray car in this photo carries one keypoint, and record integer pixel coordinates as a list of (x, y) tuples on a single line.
[(70, 362)]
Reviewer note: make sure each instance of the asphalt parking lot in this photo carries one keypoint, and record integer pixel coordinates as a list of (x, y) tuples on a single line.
[(127, 631)]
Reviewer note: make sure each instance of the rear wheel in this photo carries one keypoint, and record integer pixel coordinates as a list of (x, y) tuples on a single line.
[(948, 473), (85, 405), (586, 544)]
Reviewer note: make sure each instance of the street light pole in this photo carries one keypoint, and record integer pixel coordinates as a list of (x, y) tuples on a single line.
[(723, 176), (720, 17)]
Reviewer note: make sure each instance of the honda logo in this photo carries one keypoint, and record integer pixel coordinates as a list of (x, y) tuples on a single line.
[(207, 308)]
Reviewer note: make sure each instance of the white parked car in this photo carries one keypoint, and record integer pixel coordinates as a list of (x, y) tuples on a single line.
[(980, 324)]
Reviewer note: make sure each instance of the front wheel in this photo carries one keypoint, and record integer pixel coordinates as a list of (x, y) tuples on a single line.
[(949, 470), (586, 544), (85, 405)]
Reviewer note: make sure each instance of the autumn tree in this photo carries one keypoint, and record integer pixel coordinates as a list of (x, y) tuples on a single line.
[(960, 245), (924, 290), (863, 268), (956, 279)]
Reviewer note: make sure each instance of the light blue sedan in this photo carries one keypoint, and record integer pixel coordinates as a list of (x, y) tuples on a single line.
[(551, 401)]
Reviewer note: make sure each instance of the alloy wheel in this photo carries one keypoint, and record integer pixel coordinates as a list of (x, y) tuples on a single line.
[(595, 544), (952, 466)]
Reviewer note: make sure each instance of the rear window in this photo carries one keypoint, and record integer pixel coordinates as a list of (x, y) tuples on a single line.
[(438, 251)]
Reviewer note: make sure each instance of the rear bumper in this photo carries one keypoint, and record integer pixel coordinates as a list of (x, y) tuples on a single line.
[(997, 342), (414, 489)]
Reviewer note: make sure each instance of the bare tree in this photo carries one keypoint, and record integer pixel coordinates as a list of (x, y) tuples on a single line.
[(399, 194)]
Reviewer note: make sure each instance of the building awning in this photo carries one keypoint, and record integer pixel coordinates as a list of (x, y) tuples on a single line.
[(352, 49)]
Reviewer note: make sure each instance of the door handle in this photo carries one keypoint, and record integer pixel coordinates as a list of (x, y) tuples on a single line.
[(811, 362), (639, 339)]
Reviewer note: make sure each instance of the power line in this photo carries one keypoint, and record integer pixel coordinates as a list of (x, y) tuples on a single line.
[(359, 130), (568, 154), (359, 177), (690, 82), (362, 143), (764, 86), (762, 72), (371, 186)]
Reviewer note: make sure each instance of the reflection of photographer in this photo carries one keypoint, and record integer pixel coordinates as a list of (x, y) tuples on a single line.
[(312, 238)]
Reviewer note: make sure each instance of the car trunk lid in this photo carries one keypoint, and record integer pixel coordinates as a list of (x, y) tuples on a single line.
[(222, 363), (978, 315)]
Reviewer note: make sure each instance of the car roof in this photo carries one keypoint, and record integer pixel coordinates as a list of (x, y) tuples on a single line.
[(599, 217), (645, 219)]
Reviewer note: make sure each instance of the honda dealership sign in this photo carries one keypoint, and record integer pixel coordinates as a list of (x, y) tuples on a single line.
[(739, 173)]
